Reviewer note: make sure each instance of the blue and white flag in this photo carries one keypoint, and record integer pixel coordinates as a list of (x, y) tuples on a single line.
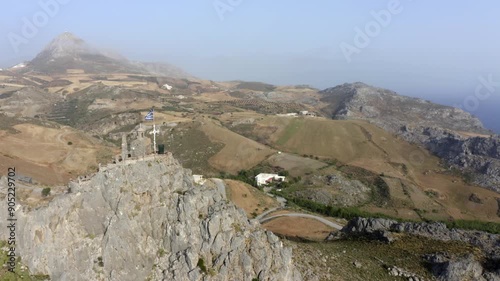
[(149, 116)]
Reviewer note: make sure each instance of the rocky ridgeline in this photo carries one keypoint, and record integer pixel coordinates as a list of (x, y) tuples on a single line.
[(419, 121), (478, 154), (391, 111), (146, 220), (442, 265)]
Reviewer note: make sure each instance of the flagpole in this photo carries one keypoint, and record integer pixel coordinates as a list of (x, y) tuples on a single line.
[(154, 134)]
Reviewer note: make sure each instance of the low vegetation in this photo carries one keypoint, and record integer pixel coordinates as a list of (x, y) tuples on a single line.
[(332, 211), (336, 260), (352, 212), (46, 191), (21, 272), (191, 147), (490, 227), (201, 265)]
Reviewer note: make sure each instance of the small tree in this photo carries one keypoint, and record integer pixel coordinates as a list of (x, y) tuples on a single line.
[(284, 173), (46, 192)]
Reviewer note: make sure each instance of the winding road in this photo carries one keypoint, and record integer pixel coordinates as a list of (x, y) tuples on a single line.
[(320, 219), (262, 219)]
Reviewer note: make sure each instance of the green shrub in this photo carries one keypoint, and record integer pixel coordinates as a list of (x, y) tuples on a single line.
[(100, 262), (201, 265), (490, 227), (46, 192)]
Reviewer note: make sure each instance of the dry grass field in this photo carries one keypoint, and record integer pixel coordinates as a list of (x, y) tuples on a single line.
[(419, 186), (239, 153), (299, 227), (49, 155), (249, 198), (294, 164)]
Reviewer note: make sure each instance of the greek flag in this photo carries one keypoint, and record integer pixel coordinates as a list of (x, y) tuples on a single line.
[(149, 116)]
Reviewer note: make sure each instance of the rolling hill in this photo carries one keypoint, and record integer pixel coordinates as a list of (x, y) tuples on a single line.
[(418, 186)]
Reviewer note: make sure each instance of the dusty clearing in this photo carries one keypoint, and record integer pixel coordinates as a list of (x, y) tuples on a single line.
[(299, 227), (50, 156), (295, 164), (250, 199)]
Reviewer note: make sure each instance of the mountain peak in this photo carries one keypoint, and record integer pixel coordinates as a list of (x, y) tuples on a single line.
[(67, 44), (68, 51)]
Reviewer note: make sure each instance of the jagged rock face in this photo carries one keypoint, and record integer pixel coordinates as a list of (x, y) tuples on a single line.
[(455, 269), (391, 111), (144, 220), (478, 154), (366, 226)]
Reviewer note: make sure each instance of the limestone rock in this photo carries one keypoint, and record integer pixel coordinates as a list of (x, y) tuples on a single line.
[(443, 266), (146, 219), (455, 269)]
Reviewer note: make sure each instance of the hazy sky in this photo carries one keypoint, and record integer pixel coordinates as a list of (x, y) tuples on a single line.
[(432, 49)]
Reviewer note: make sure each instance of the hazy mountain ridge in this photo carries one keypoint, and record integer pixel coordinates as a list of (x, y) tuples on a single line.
[(69, 52)]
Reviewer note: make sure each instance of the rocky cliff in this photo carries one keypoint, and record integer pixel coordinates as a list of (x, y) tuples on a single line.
[(436, 127), (146, 220)]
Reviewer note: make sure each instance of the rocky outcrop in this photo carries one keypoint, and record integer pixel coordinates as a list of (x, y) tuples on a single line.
[(391, 111), (442, 266), (449, 268), (145, 220), (437, 230), (435, 127), (334, 189), (480, 155)]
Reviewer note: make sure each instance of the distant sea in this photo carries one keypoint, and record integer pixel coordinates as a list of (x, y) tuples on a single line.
[(490, 116), (488, 111)]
